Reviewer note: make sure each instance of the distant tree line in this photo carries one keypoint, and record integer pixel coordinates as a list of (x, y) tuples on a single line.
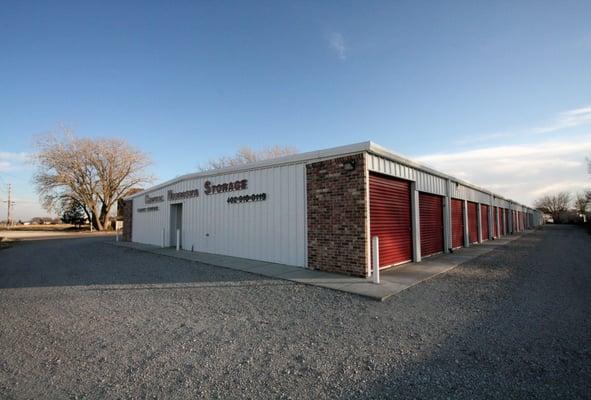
[(566, 207)]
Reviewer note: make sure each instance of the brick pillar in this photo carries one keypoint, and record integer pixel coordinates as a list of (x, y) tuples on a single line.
[(127, 220), (337, 215)]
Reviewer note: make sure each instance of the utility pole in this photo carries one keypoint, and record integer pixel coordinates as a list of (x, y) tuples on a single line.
[(9, 205)]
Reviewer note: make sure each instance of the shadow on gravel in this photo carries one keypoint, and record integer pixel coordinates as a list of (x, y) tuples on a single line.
[(181, 286), (94, 261), (526, 335)]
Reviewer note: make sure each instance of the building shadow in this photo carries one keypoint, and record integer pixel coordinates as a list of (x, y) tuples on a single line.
[(94, 261)]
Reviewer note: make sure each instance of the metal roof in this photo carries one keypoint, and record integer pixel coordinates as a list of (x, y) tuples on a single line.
[(317, 155), (291, 159)]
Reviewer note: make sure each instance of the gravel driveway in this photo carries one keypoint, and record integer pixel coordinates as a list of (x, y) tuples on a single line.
[(81, 318)]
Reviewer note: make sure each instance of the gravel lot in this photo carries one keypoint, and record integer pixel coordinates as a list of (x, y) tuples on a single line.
[(81, 318)]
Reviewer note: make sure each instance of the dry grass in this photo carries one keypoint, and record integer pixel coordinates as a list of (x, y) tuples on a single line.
[(46, 228)]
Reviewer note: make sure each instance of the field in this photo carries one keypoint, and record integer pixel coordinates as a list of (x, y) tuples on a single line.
[(43, 231)]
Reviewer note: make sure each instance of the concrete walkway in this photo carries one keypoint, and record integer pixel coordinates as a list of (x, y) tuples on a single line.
[(393, 280)]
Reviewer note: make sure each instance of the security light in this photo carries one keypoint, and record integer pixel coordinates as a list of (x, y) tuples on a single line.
[(349, 165)]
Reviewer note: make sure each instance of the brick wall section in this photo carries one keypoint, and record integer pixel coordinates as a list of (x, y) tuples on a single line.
[(127, 220), (337, 216)]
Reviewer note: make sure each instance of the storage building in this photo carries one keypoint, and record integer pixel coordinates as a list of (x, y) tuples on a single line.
[(319, 210)]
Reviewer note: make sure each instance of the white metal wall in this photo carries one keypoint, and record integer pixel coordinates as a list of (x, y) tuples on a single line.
[(425, 182), (273, 230), (460, 191), (502, 203)]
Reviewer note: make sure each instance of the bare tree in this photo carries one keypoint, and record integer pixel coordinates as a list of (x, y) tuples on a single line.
[(246, 155), (93, 172), (554, 204), (582, 203)]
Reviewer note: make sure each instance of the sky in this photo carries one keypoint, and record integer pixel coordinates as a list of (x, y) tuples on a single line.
[(497, 93)]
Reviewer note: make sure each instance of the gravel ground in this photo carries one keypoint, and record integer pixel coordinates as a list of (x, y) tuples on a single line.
[(85, 319)]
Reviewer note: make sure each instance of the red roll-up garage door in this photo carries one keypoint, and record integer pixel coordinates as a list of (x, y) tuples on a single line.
[(484, 221), (514, 220), (390, 218), (457, 223), (496, 222), (431, 217), (473, 222)]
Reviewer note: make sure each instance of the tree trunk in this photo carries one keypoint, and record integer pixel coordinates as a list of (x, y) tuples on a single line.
[(97, 220), (104, 218)]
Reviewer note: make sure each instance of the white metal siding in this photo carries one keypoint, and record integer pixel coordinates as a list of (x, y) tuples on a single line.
[(273, 230), (501, 203), (425, 181), (460, 191), (147, 226)]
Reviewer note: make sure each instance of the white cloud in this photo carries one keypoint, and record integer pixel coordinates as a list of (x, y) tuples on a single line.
[(337, 44), (567, 119), (521, 172), (564, 120), (13, 161)]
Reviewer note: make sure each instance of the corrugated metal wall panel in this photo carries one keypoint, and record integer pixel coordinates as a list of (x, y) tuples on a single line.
[(425, 182), (390, 218), (460, 191), (457, 223), (502, 203), (147, 226), (473, 222), (431, 222), (273, 230)]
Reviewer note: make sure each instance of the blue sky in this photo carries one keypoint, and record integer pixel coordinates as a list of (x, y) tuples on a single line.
[(496, 92)]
